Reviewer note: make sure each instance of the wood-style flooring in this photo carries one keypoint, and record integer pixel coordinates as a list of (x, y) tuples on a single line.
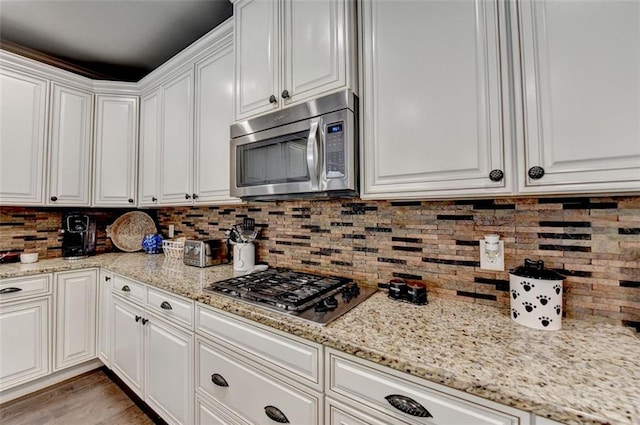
[(89, 399)]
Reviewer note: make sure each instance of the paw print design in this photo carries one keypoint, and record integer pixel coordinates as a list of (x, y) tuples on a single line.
[(543, 299), (527, 286), (528, 306), (558, 310), (557, 288), (515, 294), (515, 313), (545, 321)]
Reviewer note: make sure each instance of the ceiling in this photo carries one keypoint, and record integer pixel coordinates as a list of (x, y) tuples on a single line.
[(112, 39)]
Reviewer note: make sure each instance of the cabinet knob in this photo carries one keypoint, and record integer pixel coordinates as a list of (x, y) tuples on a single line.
[(195, 196), (496, 175), (219, 380), (107, 278), (285, 94), (138, 318), (187, 196), (272, 99), (154, 199), (126, 288), (276, 414), (536, 173), (130, 201), (408, 405), (54, 198), (144, 321), (166, 306)]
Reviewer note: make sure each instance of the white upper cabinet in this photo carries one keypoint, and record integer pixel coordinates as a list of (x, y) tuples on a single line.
[(150, 137), (115, 158), (289, 51), (71, 140), (580, 77), (433, 100), (176, 147), (23, 153), (214, 115)]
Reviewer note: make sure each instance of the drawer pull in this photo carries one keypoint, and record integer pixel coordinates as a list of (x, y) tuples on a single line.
[(276, 414), (138, 318), (219, 380), (408, 406), (10, 290), (126, 288), (166, 306)]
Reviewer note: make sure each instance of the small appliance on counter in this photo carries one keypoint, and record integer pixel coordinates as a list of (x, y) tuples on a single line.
[(412, 292), (536, 296), (205, 253), (78, 236)]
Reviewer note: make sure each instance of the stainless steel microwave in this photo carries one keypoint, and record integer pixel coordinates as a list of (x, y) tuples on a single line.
[(305, 151)]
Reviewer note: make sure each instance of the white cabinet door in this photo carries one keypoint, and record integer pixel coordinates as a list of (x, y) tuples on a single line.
[(150, 137), (105, 306), (75, 323), (24, 341), (127, 340), (315, 42), (257, 52), (432, 118), (115, 158), (213, 116), (71, 140), (581, 95), (176, 150), (169, 371), (23, 154)]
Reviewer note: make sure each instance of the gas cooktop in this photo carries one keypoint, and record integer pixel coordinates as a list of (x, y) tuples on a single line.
[(315, 298)]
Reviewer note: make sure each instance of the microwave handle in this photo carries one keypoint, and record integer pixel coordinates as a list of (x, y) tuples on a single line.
[(312, 153)]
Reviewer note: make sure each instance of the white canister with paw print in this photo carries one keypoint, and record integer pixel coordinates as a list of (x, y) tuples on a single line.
[(536, 296)]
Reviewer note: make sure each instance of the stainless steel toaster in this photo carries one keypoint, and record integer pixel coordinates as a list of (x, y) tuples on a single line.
[(205, 253)]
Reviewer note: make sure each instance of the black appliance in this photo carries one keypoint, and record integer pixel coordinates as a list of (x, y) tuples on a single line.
[(78, 236), (314, 298)]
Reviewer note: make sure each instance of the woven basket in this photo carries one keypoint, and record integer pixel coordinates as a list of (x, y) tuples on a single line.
[(128, 231)]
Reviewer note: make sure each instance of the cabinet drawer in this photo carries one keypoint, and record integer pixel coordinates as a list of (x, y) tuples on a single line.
[(377, 389), (296, 359), (24, 287), (249, 392), (129, 289), (171, 306), (207, 414)]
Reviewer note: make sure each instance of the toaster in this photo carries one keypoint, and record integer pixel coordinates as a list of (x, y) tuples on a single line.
[(205, 253)]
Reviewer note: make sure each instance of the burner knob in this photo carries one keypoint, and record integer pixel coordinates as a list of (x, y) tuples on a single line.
[(331, 303), (320, 307)]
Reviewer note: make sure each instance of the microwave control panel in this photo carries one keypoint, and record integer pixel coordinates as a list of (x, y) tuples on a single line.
[(334, 145)]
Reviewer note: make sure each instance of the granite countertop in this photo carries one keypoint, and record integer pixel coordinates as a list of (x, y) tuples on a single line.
[(586, 373)]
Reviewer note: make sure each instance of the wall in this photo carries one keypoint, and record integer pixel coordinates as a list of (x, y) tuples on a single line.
[(594, 242)]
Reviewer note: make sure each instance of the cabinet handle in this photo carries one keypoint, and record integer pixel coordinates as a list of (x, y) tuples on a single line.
[(126, 288), (144, 321), (536, 173), (408, 406), (154, 199), (195, 196), (496, 175), (187, 196), (165, 305), (219, 380), (54, 198), (10, 290), (130, 200), (138, 318), (107, 278), (272, 99), (276, 414), (285, 94)]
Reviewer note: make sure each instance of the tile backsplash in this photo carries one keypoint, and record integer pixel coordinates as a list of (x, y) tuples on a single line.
[(593, 242)]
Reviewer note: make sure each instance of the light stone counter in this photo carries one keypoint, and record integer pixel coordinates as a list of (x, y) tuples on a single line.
[(586, 373)]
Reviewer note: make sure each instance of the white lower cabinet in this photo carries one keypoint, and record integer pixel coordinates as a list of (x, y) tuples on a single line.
[(105, 301), (75, 324), (250, 392), (208, 414), (400, 398), (342, 414), (127, 343)]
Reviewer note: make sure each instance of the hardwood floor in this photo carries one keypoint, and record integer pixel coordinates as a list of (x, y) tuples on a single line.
[(89, 399)]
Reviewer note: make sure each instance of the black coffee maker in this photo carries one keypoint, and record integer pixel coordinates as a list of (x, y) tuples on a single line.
[(78, 236)]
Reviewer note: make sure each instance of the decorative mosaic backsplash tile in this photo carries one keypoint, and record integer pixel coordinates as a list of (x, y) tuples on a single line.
[(594, 242)]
